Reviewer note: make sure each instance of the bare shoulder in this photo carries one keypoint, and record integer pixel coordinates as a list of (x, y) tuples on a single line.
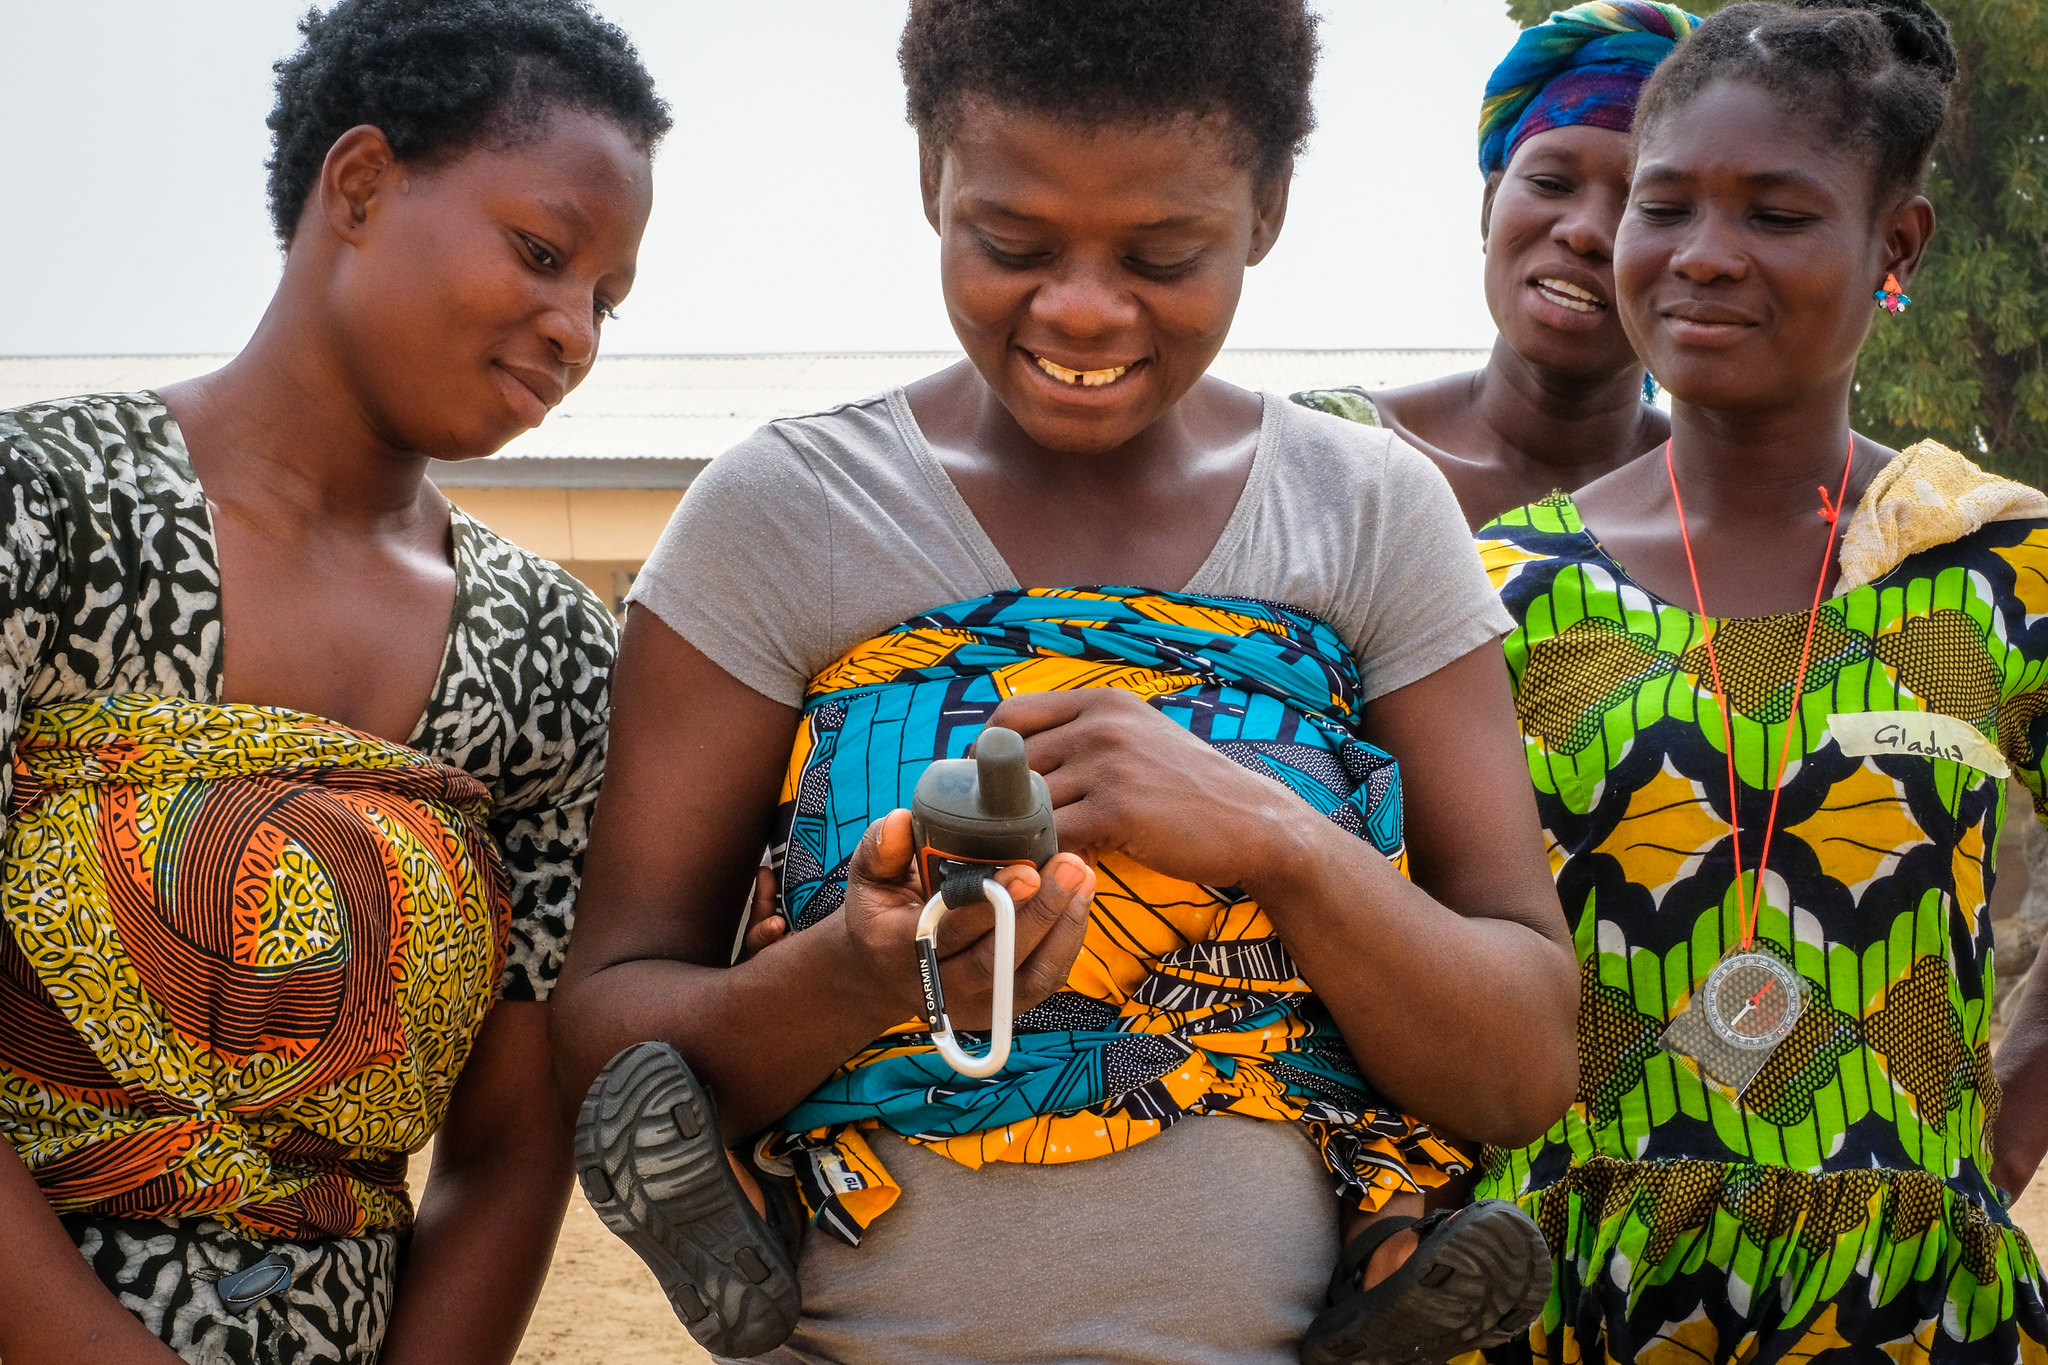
[(1238, 411), (1416, 410), (1624, 496)]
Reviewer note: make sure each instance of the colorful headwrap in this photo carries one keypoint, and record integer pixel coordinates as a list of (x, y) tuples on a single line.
[(1586, 64)]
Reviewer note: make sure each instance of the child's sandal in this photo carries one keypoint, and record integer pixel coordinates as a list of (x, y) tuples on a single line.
[(1479, 1276), (654, 1167)]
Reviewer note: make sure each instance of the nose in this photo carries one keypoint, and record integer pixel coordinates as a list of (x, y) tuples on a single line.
[(1084, 299), (1707, 250), (570, 325), (1587, 227)]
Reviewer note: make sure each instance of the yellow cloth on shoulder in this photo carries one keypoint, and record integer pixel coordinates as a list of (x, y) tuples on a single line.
[(1929, 495)]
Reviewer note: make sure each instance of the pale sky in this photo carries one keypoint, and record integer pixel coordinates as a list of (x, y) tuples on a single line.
[(786, 211)]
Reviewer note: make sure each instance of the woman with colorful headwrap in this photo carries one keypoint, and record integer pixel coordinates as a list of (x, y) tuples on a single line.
[(1561, 401)]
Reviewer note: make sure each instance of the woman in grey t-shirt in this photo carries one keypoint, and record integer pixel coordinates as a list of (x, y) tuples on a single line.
[(1100, 179)]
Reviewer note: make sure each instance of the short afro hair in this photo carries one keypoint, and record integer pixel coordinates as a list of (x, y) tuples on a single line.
[(1149, 61), (1871, 74), (439, 76)]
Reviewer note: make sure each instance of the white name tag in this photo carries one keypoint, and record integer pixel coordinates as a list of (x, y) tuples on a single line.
[(1922, 734)]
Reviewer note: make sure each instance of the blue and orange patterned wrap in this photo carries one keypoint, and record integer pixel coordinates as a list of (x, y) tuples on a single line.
[(1583, 65), (1183, 1000)]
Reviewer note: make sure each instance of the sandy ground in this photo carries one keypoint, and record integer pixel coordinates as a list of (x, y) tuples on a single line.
[(600, 1306)]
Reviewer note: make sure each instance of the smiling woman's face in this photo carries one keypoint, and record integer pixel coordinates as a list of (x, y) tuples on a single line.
[(470, 294), (1092, 272), (1748, 254), (1550, 226)]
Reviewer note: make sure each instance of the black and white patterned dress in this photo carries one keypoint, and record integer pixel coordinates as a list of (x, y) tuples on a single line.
[(111, 585)]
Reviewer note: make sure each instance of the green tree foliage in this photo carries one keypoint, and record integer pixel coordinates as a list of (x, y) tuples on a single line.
[(1968, 363)]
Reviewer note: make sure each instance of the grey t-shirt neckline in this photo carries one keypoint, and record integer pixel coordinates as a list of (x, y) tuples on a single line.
[(1001, 578), (817, 533)]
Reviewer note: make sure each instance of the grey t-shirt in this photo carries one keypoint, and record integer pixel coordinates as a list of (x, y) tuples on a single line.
[(818, 533), (1210, 1244)]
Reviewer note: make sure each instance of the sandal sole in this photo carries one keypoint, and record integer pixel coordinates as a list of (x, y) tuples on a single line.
[(1480, 1288), (653, 1165)]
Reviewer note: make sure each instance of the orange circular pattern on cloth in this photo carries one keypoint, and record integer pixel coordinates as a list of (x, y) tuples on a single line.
[(246, 955)]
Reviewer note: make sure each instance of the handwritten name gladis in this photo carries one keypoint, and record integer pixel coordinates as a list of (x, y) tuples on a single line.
[(1921, 734), (1899, 740)]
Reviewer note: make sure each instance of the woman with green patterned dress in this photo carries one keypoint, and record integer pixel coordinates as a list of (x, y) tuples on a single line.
[(1771, 800)]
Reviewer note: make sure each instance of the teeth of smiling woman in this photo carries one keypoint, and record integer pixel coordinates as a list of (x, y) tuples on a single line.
[(1570, 296), (1087, 379)]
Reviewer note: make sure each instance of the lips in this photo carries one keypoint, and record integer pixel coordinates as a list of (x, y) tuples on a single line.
[(1706, 326), (1100, 377), (531, 392), (1567, 295), (546, 387), (1701, 314)]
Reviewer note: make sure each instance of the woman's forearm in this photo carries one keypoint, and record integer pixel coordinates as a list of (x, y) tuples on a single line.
[(493, 1203), (1466, 1022), (678, 836), (762, 1034), (1457, 993), (479, 1255), (766, 1032), (2019, 1136), (53, 1309)]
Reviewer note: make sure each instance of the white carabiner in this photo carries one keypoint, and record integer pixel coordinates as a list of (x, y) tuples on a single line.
[(990, 1062)]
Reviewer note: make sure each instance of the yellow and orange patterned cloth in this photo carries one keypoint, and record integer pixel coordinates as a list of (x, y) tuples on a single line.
[(246, 954), (1183, 1000)]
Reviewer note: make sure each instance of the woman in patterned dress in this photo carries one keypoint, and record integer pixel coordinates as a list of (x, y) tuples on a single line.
[(302, 758), (1561, 400), (1771, 800)]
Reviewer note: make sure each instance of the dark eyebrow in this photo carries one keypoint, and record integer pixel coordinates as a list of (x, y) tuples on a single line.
[(994, 209), (1000, 210), (1796, 179), (567, 208), (1664, 175)]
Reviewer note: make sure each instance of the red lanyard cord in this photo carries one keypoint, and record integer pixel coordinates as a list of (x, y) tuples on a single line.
[(1747, 917)]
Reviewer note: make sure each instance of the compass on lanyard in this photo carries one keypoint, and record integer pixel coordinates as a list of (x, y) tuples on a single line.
[(1751, 1000)]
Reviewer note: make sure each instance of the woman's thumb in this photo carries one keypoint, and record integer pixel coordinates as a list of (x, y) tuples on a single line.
[(884, 854)]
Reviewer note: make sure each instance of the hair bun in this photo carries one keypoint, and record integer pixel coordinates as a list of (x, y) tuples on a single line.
[(1919, 34)]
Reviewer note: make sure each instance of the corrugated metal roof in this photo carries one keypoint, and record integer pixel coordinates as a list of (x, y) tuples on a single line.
[(644, 421)]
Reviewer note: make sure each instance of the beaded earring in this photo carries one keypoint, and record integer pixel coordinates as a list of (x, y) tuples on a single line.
[(1891, 298)]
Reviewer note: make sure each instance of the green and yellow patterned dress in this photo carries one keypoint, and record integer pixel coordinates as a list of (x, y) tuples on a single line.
[(1842, 1202)]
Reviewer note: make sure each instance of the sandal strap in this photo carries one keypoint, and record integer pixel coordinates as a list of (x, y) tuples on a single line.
[(1351, 1260), (781, 1206), (782, 1219)]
